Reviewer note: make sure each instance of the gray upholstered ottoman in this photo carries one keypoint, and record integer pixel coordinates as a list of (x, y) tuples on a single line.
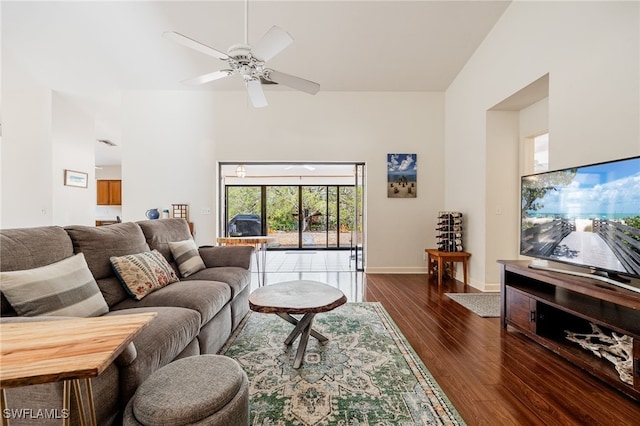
[(197, 390)]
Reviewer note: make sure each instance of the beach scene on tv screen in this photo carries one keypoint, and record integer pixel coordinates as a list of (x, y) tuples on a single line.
[(586, 215)]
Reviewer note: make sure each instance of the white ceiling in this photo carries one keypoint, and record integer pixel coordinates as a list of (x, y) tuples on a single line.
[(102, 47)]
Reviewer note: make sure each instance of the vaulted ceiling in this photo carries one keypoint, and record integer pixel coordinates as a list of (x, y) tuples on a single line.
[(99, 48), (343, 45)]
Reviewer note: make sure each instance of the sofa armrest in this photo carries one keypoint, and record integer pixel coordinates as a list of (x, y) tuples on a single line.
[(126, 357), (239, 256)]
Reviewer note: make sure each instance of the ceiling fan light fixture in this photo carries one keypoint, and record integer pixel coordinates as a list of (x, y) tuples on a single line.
[(249, 62), (241, 172)]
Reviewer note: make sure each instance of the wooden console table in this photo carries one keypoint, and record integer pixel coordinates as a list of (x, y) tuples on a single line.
[(71, 351), (439, 258), (260, 243)]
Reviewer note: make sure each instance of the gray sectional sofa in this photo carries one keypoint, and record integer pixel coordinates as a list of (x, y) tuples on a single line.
[(195, 315)]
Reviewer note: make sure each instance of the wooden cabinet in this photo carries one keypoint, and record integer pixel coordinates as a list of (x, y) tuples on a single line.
[(521, 310), (555, 309), (109, 192)]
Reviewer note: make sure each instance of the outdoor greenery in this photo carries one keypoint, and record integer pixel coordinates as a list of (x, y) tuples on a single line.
[(243, 200), (319, 206)]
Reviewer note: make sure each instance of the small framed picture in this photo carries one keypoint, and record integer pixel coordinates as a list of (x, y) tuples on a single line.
[(73, 178)]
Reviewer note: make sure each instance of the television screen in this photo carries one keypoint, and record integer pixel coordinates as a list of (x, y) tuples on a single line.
[(587, 216)]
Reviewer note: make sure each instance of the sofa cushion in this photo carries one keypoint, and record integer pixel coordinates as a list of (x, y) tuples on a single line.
[(28, 248), (100, 243), (64, 288), (187, 257), (157, 344), (205, 297), (143, 273), (239, 256), (112, 290), (237, 278), (160, 232)]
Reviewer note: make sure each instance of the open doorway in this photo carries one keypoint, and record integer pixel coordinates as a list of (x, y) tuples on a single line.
[(310, 206)]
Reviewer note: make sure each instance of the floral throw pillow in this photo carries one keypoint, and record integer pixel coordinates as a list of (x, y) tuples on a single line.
[(143, 273)]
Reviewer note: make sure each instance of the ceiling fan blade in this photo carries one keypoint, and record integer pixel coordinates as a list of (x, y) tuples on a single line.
[(256, 94), (272, 43), (216, 75), (195, 45), (292, 81)]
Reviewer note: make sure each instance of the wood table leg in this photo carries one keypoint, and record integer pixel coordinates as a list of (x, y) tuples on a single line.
[(440, 270), (464, 270), (3, 406), (294, 321), (302, 324), (66, 402), (304, 339)]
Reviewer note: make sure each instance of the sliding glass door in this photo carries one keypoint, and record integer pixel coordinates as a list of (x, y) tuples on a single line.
[(281, 215), (296, 216)]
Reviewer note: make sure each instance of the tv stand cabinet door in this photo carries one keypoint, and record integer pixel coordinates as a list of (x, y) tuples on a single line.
[(521, 310)]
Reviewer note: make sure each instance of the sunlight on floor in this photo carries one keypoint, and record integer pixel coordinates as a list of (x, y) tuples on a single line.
[(331, 267)]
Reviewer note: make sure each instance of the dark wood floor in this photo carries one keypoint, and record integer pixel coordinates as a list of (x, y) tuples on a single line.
[(493, 376)]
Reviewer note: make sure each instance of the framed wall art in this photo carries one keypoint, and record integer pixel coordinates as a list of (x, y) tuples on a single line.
[(402, 175), (77, 179)]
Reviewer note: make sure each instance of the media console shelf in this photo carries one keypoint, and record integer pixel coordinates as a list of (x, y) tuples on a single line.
[(546, 305)]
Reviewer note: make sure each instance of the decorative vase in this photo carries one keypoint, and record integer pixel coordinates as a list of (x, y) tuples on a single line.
[(152, 214)]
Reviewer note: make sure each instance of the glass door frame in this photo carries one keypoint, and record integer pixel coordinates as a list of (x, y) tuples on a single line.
[(358, 242)]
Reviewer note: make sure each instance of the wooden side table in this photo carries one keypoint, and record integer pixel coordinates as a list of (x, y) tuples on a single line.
[(439, 258), (260, 243), (71, 351)]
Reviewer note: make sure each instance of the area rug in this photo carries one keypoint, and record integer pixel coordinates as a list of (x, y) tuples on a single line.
[(366, 374), (486, 305)]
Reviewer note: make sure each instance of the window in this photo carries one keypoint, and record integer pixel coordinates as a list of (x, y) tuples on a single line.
[(541, 153)]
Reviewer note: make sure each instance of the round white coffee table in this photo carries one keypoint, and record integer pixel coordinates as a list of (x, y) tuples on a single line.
[(297, 297)]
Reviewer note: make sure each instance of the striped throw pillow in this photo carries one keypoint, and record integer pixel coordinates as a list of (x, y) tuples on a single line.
[(187, 257), (143, 273), (64, 288)]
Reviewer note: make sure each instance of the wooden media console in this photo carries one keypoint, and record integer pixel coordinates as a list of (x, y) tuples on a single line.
[(575, 317)]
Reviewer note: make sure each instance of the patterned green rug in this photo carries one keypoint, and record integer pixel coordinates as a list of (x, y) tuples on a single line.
[(366, 374)]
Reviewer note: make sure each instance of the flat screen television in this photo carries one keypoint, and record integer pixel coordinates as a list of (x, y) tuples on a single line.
[(586, 216)]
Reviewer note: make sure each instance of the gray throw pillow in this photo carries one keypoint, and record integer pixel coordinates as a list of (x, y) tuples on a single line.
[(64, 288), (187, 257)]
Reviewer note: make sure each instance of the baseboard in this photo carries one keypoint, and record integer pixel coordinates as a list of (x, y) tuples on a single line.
[(491, 287), (485, 287)]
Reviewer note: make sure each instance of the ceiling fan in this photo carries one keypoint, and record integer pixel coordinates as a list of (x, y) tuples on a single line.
[(249, 62)]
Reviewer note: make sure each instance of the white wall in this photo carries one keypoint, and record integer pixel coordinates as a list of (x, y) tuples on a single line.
[(73, 149), (168, 155), (44, 133), (591, 51), (109, 173), (501, 189), (172, 141), (27, 192)]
